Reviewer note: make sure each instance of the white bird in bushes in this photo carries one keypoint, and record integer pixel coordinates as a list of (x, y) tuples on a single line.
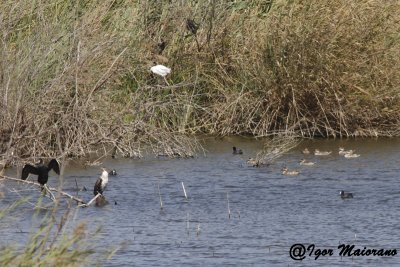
[(161, 70)]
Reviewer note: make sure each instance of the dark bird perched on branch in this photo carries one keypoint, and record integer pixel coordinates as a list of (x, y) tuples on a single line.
[(41, 170), (192, 26), (161, 46), (101, 183)]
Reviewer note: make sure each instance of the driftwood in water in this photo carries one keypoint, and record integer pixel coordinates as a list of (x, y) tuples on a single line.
[(99, 199), (78, 200)]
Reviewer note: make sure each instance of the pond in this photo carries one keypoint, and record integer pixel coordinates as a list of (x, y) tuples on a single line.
[(269, 212)]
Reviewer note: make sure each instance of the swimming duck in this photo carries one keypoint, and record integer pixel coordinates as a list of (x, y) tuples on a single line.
[(345, 194), (113, 172), (285, 171), (306, 163), (344, 152), (306, 151), (237, 151), (351, 155), (253, 162), (41, 170), (322, 153)]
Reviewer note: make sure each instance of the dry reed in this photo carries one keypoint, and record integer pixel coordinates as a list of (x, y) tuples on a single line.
[(74, 76)]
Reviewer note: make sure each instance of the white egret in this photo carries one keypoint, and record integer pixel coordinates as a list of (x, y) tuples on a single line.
[(161, 70)]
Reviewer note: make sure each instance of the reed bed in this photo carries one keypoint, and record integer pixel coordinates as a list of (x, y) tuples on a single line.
[(74, 76)]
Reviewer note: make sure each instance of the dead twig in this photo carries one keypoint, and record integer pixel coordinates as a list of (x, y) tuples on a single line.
[(78, 200), (84, 205)]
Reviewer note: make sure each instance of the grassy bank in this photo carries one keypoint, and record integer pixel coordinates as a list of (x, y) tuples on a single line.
[(74, 75)]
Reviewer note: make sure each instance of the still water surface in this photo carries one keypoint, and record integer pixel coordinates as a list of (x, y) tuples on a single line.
[(269, 212)]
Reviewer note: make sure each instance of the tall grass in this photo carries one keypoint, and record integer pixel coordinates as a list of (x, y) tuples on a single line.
[(52, 243), (75, 75)]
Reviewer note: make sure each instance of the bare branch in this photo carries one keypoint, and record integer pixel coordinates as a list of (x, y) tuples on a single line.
[(78, 200)]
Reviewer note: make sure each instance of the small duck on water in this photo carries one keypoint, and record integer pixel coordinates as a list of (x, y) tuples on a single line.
[(306, 151), (344, 195), (322, 153), (344, 152), (304, 162), (237, 151), (253, 162), (285, 171), (351, 155)]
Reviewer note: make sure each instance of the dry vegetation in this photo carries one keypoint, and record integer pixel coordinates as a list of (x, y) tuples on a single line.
[(53, 243), (74, 75)]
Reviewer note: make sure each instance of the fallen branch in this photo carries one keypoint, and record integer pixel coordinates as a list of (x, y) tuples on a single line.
[(84, 205), (80, 201)]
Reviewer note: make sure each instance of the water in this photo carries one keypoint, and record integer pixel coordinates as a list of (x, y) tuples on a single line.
[(269, 212)]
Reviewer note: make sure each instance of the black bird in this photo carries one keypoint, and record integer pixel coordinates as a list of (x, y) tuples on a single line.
[(113, 172), (161, 46), (345, 194), (101, 183), (237, 151), (41, 170), (192, 26)]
